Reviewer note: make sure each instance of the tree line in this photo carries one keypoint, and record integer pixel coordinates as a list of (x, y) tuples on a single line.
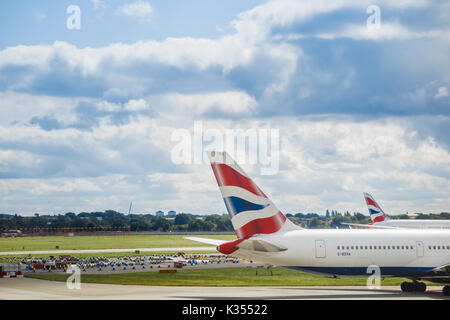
[(111, 219), (334, 219), (182, 222)]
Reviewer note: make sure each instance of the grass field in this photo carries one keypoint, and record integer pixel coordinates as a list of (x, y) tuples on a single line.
[(103, 242), (224, 277)]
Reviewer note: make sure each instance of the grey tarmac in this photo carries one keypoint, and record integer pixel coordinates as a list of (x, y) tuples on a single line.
[(34, 289)]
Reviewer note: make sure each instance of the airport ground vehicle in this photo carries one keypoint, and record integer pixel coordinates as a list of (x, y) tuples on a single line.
[(10, 270), (11, 234)]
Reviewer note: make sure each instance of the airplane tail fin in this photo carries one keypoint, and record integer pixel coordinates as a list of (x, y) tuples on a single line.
[(250, 210), (376, 213)]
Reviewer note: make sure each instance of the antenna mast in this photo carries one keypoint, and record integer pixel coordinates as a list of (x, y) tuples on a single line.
[(129, 210)]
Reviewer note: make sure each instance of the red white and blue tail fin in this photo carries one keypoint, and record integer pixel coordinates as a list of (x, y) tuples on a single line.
[(375, 211), (250, 210)]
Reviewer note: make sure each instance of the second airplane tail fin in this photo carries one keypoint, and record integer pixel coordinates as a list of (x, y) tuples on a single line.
[(250, 210), (375, 211)]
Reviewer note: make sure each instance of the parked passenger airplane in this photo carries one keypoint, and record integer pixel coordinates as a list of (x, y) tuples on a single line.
[(266, 235), (381, 221)]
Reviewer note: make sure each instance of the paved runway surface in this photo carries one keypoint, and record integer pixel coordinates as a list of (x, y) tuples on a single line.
[(108, 250), (24, 288)]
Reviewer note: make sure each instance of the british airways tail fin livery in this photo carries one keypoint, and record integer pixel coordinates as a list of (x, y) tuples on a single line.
[(266, 235), (376, 213), (381, 221), (250, 210)]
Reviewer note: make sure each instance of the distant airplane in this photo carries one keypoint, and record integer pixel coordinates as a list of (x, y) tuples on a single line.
[(264, 234), (381, 221)]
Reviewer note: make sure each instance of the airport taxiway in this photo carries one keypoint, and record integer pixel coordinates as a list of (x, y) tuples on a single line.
[(34, 289)]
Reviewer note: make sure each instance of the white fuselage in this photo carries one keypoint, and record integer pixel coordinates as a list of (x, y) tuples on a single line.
[(415, 224), (349, 252)]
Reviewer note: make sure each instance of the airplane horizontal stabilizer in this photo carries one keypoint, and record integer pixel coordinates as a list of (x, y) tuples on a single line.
[(371, 226), (260, 245), (215, 242), (250, 245)]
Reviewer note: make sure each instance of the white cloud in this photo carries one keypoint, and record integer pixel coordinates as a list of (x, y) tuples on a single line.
[(98, 4), (323, 164), (227, 102), (339, 159), (136, 105), (387, 31), (21, 107), (441, 93), (257, 22), (141, 10), (108, 106), (64, 185), (17, 158), (227, 52)]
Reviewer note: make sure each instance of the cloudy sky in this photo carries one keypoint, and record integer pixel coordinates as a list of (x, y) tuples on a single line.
[(87, 114)]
